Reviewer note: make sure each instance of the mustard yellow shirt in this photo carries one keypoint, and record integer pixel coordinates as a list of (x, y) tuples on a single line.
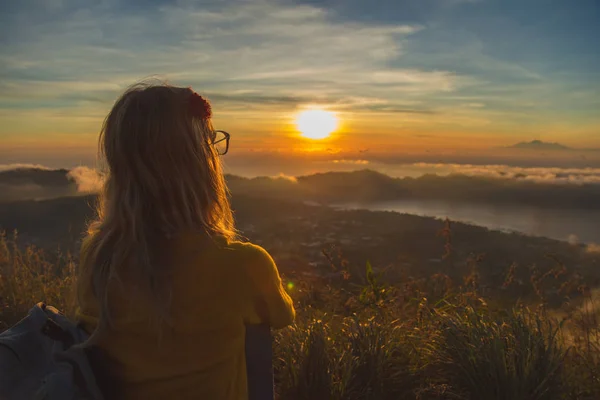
[(217, 288)]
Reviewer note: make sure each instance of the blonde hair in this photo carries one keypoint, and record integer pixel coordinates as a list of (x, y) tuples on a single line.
[(163, 177)]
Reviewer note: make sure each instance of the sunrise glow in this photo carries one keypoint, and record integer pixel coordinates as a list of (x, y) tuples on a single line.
[(316, 123)]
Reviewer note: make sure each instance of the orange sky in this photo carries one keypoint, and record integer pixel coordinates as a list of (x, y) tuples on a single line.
[(404, 76)]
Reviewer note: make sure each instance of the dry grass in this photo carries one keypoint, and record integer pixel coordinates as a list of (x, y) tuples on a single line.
[(28, 276), (422, 341)]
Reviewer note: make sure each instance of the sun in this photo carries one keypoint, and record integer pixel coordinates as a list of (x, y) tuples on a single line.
[(316, 123)]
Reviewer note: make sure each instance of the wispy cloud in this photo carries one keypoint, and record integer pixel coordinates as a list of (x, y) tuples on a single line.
[(88, 180), (448, 65), (354, 162), (593, 248), (539, 175), (278, 54), (285, 177)]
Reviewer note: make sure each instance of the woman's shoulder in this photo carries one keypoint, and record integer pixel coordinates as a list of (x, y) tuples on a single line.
[(247, 251), (224, 251), (255, 262)]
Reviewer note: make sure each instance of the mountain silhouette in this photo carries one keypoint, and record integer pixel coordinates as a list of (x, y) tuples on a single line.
[(362, 186), (540, 145)]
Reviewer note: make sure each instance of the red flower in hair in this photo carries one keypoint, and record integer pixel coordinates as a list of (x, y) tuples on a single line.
[(199, 106)]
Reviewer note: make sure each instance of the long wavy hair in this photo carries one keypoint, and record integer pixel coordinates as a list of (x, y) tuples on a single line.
[(162, 178)]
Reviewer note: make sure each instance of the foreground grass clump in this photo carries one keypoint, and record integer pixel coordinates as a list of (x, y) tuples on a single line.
[(514, 357), (461, 353), (28, 276), (376, 342), (333, 358)]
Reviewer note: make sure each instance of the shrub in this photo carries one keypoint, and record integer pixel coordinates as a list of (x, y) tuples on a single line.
[(28, 276), (381, 342), (513, 357)]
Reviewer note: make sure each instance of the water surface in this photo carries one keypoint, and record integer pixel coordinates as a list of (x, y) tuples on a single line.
[(560, 224)]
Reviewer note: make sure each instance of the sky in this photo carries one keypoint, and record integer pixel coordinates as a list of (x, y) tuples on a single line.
[(406, 78)]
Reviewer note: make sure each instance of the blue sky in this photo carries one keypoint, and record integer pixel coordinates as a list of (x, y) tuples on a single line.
[(402, 72)]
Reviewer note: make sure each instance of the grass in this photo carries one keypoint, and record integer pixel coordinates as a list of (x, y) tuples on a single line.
[(435, 340), (516, 357), (30, 275)]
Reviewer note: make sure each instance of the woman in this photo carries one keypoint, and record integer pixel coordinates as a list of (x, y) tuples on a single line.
[(165, 288)]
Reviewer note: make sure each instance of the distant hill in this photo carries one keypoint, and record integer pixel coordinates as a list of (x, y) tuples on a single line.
[(36, 176), (62, 221), (35, 184), (540, 145), (369, 186), (292, 227), (364, 186)]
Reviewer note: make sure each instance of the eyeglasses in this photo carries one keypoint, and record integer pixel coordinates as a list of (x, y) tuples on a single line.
[(220, 140)]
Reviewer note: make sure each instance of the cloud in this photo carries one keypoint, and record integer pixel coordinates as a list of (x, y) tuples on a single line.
[(251, 99), (356, 162), (593, 248), (88, 180), (285, 177), (573, 239), (234, 51), (553, 175), (415, 79), (63, 65)]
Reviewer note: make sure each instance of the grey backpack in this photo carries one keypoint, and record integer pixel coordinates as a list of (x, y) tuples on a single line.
[(42, 358)]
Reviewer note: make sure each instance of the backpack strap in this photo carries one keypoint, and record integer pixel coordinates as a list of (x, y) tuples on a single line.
[(83, 374), (55, 332), (74, 377)]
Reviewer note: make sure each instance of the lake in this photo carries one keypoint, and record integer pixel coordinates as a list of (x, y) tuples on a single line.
[(560, 224)]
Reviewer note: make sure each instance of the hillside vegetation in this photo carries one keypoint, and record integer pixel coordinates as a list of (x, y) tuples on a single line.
[(358, 337), (390, 306)]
